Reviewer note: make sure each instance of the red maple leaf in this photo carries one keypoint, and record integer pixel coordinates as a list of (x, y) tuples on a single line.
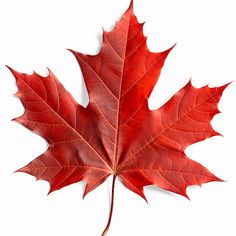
[(117, 134)]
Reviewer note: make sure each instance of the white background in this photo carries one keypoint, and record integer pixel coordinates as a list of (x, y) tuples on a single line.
[(35, 35)]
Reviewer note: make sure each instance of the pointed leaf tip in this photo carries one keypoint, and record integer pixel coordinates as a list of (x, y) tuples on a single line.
[(166, 52), (49, 192), (23, 169), (70, 50), (223, 87), (130, 8), (131, 5), (73, 52), (12, 71)]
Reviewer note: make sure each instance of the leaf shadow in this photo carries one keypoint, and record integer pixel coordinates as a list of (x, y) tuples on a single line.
[(154, 189), (84, 95)]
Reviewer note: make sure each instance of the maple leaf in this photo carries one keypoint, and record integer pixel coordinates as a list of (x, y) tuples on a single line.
[(117, 134)]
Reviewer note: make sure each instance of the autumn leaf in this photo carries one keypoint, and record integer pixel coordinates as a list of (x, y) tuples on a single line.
[(117, 134)]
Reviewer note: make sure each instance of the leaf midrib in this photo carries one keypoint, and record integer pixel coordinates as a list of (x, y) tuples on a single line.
[(119, 98)]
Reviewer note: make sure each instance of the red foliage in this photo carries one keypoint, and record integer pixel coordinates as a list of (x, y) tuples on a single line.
[(117, 134)]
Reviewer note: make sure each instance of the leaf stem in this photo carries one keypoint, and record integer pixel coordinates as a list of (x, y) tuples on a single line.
[(111, 208)]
